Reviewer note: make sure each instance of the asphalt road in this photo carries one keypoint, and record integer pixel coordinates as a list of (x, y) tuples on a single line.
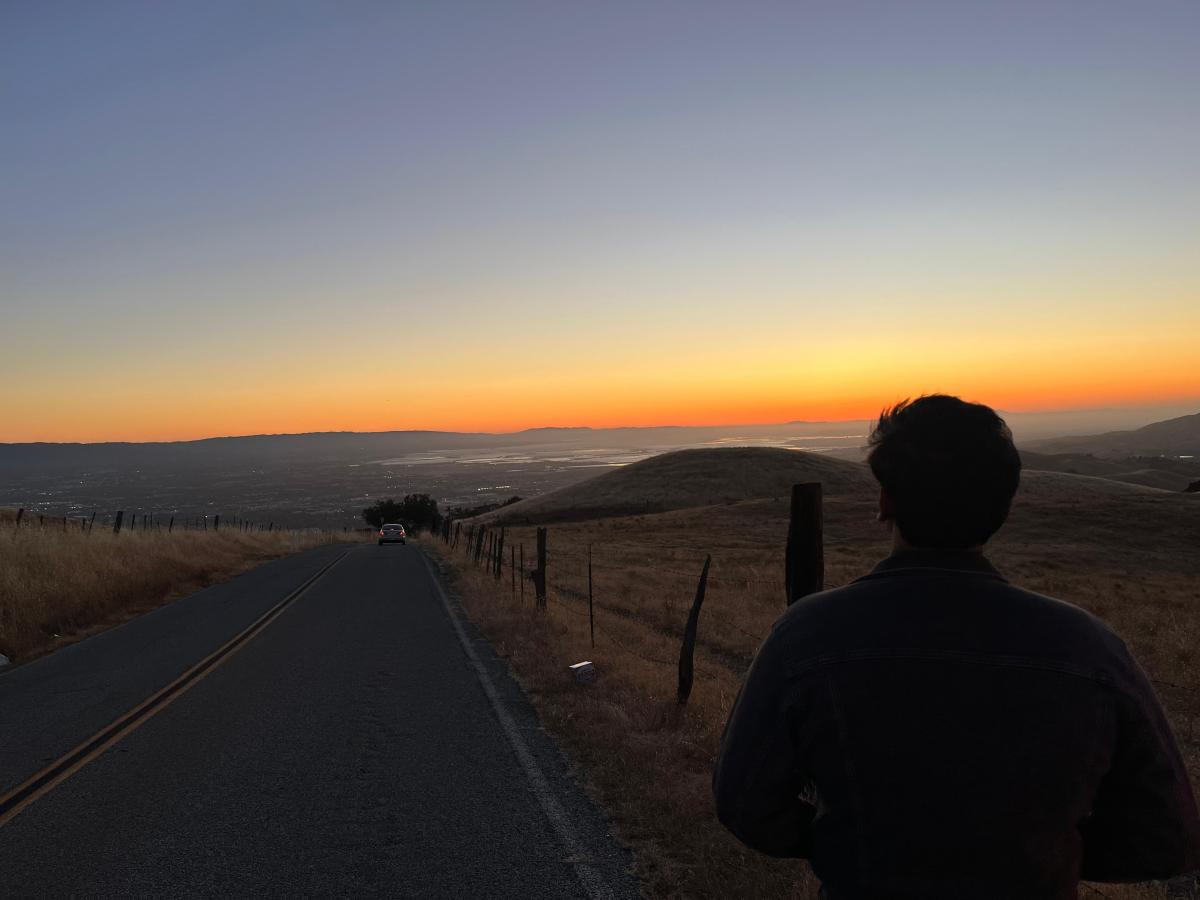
[(362, 744)]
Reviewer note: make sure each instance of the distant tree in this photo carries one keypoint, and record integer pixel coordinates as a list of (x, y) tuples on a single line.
[(415, 511)]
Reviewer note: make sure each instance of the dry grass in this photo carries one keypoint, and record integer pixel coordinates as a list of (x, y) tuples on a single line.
[(1128, 554), (59, 585), (688, 478)]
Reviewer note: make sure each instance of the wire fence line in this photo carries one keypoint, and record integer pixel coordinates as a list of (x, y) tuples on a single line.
[(139, 521), (566, 579)]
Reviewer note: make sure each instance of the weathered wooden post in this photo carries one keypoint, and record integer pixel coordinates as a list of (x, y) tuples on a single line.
[(20, 515), (591, 614), (117, 521), (539, 574), (512, 567), (217, 522), (805, 563), (500, 555), (522, 579), (686, 671), (171, 525)]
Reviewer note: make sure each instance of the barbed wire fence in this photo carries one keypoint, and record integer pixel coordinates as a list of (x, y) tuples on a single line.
[(564, 579), (144, 521)]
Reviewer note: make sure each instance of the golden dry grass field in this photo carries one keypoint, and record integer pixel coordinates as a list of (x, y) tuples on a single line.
[(1129, 554), (58, 585)]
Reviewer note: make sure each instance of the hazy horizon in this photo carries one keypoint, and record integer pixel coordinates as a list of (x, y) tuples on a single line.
[(1043, 423)]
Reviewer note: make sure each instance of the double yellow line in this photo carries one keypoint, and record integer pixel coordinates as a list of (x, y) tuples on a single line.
[(69, 763)]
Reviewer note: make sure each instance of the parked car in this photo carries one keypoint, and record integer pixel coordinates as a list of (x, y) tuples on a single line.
[(391, 534)]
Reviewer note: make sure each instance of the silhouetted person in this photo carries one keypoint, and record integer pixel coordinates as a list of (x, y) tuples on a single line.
[(932, 731)]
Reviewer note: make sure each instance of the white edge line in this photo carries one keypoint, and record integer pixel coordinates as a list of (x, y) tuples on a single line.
[(593, 882)]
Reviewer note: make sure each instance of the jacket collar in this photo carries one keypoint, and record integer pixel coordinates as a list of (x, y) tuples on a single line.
[(918, 562)]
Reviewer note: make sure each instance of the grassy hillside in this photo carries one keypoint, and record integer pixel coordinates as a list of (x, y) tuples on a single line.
[(685, 479), (1173, 437), (689, 478), (1165, 473), (1125, 552), (58, 585)]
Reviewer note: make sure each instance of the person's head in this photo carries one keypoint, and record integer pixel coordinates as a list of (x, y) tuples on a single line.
[(947, 470)]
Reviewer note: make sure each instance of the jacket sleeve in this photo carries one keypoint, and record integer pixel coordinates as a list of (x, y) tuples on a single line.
[(1143, 824), (756, 781)]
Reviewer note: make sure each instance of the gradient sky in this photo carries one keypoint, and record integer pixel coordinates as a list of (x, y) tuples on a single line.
[(228, 217)]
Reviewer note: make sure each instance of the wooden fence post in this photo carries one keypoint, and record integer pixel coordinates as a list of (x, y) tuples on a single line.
[(20, 515), (117, 521), (500, 555), (217, 522), (512, 567), (805, 562), (539, 574), (591, 614), (522, 579), (686, 672), (171, 525)]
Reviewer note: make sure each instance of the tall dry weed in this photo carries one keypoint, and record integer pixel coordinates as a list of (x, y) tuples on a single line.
[(55, 584)]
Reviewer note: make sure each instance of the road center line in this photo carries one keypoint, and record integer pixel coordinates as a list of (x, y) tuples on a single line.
[(71, 762)]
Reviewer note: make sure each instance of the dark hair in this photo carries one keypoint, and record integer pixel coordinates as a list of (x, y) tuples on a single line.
[(949, 468)]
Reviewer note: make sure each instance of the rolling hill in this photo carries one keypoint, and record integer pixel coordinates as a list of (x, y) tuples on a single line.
[(1165, 473), (691, 478), (687, 479), (1173, 437)]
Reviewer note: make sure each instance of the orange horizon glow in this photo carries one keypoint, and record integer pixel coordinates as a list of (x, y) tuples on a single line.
[(758, 380), (170, 426)]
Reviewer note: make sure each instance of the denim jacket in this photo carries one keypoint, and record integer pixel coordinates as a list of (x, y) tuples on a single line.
[(931, 731)]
